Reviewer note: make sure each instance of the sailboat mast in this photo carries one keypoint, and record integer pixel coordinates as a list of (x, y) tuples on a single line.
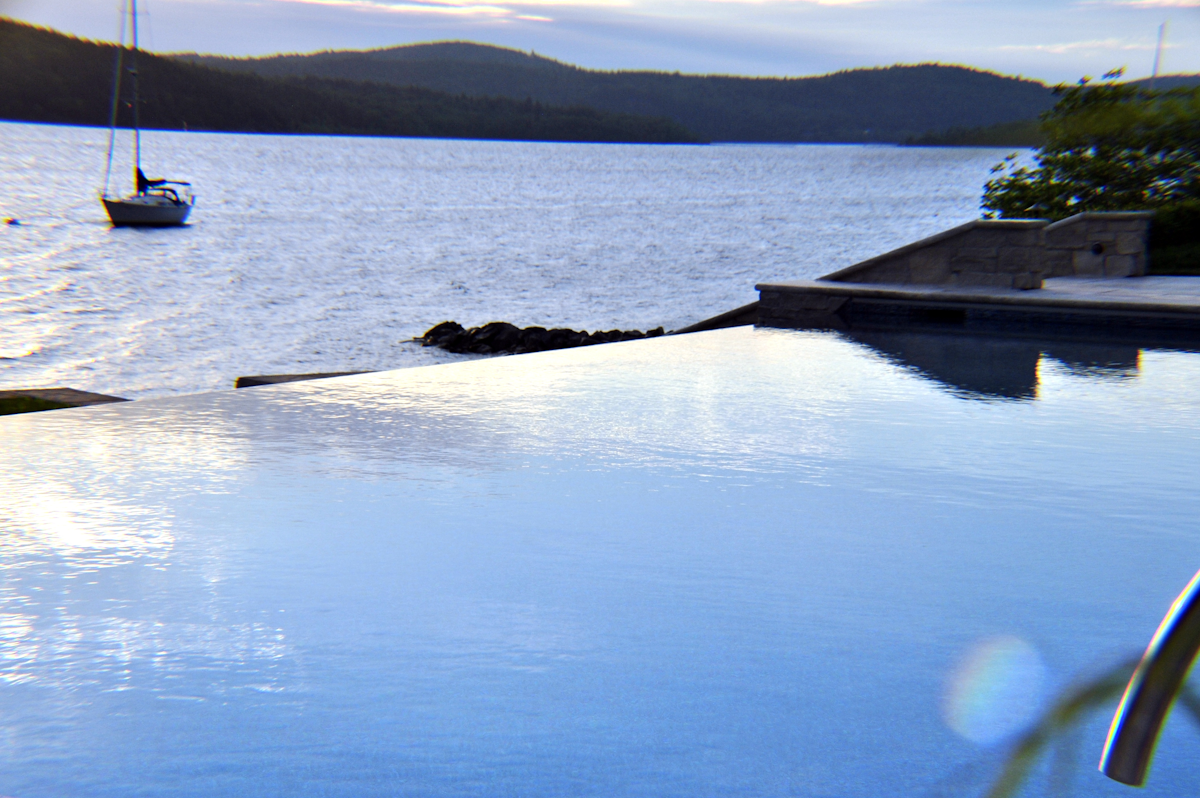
[(1162, 31), (116, 101), (154, 203), (137, 127)]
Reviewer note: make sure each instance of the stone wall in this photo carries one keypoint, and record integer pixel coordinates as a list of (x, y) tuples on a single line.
[(998, 253), (1013, 253), (1098, 245)]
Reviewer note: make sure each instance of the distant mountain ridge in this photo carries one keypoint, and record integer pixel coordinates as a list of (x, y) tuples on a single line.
[(1168, 81), (888, 104), (51, 77)]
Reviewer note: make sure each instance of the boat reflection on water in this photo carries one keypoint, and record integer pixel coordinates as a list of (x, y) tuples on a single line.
[(993, 368)]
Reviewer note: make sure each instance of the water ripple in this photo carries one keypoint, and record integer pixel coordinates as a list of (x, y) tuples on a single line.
[(376, 240)]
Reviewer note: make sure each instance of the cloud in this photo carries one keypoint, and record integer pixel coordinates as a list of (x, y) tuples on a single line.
[(1143, 3), (1052, 40), (516, 9), (452, 7), (1065, 48), (804, 2), (446, 8), (470, 8)]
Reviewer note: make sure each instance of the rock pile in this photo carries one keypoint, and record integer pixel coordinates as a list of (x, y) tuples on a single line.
[(502, 338)]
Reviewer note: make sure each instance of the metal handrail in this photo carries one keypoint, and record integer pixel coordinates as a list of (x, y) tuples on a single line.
[(1152, 690)]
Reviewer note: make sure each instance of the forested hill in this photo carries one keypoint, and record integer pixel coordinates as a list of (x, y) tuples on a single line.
[(888, 104), (49, 77), (1168, 82), (1026, 133)]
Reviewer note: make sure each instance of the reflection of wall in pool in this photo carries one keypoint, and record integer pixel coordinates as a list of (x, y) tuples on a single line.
[(1090, 360), (978, 367)]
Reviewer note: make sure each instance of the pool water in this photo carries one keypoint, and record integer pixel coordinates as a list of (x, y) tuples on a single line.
[(741, 562)]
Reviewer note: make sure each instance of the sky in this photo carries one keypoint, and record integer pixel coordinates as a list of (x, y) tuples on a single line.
[(1050, 40)]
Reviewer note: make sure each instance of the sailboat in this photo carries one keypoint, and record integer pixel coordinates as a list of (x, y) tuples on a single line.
[(155, 202)]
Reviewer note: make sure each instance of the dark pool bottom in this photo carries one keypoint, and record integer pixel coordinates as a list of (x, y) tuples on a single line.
[(748, 561)]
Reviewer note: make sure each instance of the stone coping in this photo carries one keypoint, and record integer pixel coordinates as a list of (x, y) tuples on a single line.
[(936, 238), (1141, 295), (1104, 216), (259, 380), (746, 314), (66, 396)]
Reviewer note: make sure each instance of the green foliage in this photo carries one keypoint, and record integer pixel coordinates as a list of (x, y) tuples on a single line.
[(1115, 147), (49, 77), (1175, 239), (1026, 133), (1108, 148), (860, 105), (1182, 259)]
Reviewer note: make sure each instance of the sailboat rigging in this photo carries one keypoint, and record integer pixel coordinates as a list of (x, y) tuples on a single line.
[(155, 202)]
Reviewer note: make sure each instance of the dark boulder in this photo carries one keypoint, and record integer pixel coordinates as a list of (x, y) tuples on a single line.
[(502, 338), (443, 334)]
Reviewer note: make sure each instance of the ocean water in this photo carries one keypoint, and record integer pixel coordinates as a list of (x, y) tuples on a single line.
[(329, 254)]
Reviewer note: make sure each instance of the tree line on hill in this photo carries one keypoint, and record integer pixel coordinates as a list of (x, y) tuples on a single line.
[(1029, 132), (1026, 133), (54, 78), (889, 104)]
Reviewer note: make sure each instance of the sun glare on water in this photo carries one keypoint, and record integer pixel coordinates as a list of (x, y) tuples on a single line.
[(995, 690)]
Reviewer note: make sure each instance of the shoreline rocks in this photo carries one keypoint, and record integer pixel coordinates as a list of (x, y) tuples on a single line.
[(502, 338)]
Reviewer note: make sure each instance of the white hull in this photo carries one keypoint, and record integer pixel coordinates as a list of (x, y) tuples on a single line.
[(146, 210)]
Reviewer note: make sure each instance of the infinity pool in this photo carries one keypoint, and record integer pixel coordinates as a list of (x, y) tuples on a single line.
[(743, 562)]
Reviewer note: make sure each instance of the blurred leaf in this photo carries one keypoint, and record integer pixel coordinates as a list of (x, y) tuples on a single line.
[(1071, 709)]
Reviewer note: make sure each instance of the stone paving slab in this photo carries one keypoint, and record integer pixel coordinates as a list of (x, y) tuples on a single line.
[(1173, 291), (1162, 310)]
